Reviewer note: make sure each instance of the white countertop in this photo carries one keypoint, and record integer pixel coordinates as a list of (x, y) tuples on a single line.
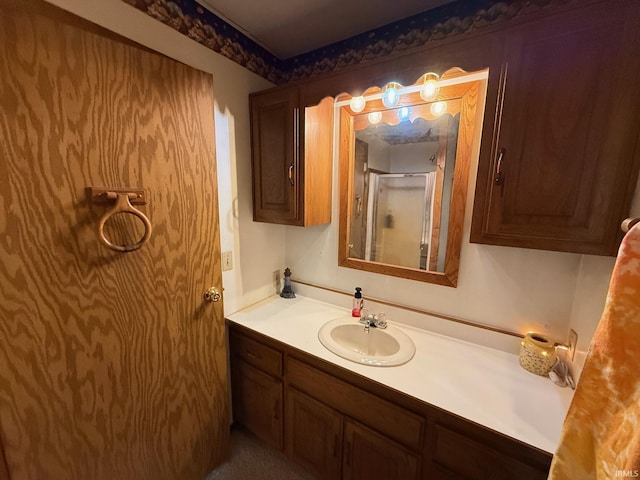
[(481, 384)]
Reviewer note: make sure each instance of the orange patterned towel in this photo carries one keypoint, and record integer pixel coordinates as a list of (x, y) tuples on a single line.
[(601, 433)]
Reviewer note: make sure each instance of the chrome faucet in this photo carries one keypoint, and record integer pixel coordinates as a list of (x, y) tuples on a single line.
[(376, 320), (367, 324)]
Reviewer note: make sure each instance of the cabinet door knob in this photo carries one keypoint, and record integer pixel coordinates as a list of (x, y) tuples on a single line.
[(498, 179)]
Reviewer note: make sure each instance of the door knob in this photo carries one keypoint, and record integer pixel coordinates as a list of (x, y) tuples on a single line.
[(212, 295)]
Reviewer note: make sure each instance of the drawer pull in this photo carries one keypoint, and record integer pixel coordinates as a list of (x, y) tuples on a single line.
[(252, 355)]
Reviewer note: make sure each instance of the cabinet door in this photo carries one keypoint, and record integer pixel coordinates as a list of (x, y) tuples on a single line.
[(257, 402), (314, 435), (274, 144), (368, 455), (562, 166), (481, 460)]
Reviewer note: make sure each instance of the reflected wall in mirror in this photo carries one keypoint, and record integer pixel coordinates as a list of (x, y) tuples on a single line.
[(403, 178)]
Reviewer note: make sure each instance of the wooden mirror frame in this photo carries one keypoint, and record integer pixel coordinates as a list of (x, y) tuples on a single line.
[(467, 93)]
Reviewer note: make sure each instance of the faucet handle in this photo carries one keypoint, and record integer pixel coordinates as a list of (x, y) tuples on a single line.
[(381, 320), (364, 315)]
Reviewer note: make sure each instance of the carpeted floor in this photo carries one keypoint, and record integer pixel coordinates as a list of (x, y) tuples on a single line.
[(253, 460)]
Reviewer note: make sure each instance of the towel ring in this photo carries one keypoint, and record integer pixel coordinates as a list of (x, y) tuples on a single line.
[(123, 205)]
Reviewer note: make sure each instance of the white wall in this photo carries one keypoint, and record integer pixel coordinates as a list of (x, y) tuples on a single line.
[(378, 155), (412, 157), (257, 248), (516, 289)]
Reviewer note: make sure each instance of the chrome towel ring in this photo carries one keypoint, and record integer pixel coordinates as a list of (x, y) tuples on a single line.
[(124, 199)]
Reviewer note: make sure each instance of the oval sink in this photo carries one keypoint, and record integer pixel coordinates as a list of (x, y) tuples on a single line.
[(379, 347)]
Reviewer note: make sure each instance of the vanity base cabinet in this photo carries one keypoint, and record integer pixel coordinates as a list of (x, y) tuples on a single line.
[(340, 425), (367, 455), (333, 446), (257, 403), (257, 392), (467, 458), (559, 162), (314, 435)]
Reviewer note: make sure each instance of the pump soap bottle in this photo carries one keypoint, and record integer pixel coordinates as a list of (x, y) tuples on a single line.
[(357, 303)]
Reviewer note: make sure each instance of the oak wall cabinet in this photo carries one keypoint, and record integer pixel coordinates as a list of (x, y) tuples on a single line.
[(559, 161), (340, 425), (291, 154)]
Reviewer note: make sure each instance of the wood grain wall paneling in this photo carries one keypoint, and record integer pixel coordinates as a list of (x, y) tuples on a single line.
[(110, 364)]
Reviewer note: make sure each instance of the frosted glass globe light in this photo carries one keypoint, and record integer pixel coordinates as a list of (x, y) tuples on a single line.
[(391, 95), (438, 108), (403, 113), (357, 104), (375, 117), (430, 87)]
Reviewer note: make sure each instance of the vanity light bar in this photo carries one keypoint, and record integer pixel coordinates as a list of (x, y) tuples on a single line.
[(482, 75)]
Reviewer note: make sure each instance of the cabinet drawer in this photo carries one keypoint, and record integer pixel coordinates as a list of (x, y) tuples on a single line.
[(480, 461), (255, 353), (385, 417)]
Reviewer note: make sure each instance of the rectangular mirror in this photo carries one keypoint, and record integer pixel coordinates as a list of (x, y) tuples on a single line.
[(403, 178)]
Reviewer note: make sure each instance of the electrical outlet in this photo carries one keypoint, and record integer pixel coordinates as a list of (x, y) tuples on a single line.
[(227, 260), (573, 343), (277, 280)]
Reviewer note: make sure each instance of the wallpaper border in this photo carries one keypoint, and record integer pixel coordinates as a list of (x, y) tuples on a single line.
[(457, 18)]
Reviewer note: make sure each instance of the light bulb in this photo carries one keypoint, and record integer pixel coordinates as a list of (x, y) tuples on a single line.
[(438, 108), (403, 113), (357, 104), (391, 95), (375, 117), (430, 87)]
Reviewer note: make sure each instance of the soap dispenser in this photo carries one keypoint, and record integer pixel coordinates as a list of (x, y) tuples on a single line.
[(357, 303)]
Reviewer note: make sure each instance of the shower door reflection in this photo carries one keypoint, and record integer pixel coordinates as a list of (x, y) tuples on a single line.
[(401, 186), (399, 222)]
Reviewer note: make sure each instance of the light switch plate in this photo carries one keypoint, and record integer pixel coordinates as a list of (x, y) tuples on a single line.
[(227, 260), (276, 280)]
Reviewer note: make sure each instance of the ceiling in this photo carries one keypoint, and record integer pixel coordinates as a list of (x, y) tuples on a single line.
[(287, 28)]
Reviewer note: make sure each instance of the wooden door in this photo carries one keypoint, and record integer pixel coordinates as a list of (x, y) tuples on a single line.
[(368, 455), (257, 403), (564, 161), (111, 364), (275, 156), (314, 435)]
